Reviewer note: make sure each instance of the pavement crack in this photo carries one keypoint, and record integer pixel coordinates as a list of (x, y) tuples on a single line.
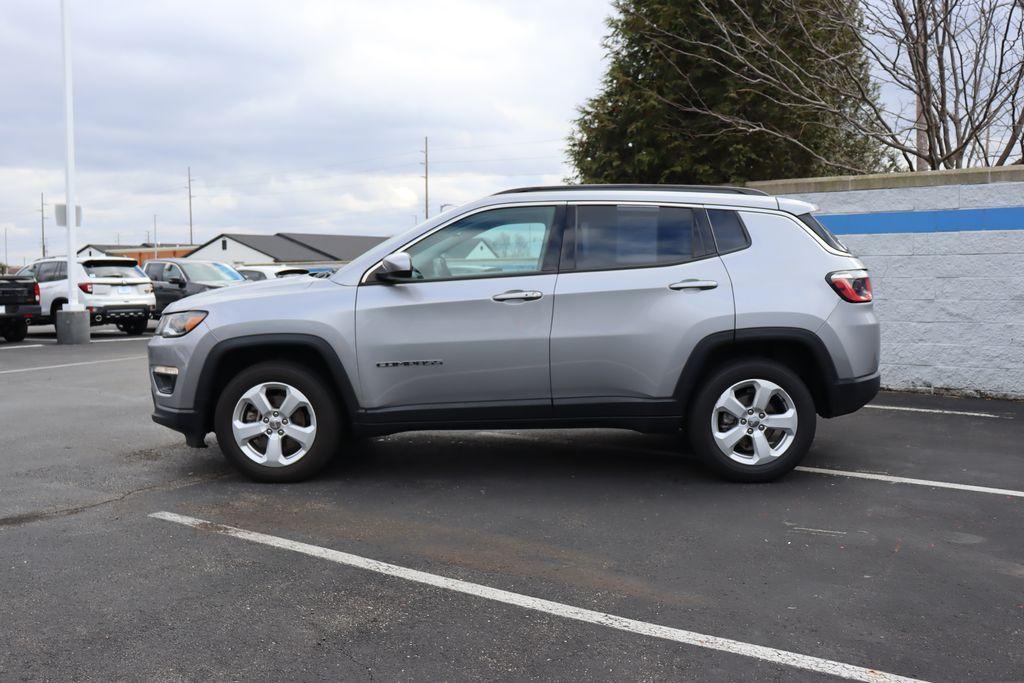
[(30, 517)]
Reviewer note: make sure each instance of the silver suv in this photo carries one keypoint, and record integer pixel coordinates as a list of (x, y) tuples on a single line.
[(732, 315)]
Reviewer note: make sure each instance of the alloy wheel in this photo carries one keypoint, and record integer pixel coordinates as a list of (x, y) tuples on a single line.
[(274, 424), (754, 421)]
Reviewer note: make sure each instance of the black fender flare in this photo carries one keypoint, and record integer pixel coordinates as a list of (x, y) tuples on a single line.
[(205, 391), (723, 342)]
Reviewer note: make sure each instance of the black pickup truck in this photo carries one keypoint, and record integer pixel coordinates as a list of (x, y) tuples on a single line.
[(19, 303)]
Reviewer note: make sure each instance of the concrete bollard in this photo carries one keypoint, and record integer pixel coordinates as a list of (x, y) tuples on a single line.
[(72, 327)]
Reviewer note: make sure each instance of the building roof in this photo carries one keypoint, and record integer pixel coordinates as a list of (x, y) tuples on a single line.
[(101, 247), (296, 246), (276, 247), (133, 247), (338, 247)]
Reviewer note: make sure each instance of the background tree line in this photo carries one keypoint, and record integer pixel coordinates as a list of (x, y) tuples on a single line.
[(711, 91)]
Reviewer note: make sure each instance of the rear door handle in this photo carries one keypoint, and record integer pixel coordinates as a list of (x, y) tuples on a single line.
[(693, 284), (518, 295)]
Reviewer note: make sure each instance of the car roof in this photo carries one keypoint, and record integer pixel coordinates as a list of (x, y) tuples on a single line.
[(639, 187), (707, 195)]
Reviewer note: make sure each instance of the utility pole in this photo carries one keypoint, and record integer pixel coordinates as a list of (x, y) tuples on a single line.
[(190, 240), (7, 256), (154, 237), (42, 222), (426, 178)]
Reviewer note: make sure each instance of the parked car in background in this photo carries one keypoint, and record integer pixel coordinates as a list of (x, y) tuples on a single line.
[(177, 278), (729, 314), (19, 303), (322, 271), (257, 273), (114, 290)]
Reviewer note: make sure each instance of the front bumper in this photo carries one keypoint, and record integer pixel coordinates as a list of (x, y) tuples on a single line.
[(188, 422), (848, 395)]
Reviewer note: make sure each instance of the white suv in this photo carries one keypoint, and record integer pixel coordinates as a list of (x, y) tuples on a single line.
[(113, 290)]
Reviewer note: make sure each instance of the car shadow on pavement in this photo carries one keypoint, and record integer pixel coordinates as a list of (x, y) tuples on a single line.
[(526, 455)]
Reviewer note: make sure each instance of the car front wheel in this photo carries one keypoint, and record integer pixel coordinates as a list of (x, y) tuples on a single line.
[(752, 421), (277, 422)]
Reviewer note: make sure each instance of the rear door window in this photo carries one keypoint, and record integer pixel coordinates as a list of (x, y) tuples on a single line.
[(610, 237), (730, 235), (47, 272)]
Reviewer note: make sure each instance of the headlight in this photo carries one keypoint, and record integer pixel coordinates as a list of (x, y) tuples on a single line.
[(179, 324)]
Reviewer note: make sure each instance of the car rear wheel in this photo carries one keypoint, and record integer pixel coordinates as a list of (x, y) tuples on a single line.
[(15, 330), (752, 421), (278, 422)]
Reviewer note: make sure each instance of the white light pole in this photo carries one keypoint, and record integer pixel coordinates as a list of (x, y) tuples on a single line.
[(69, 162)]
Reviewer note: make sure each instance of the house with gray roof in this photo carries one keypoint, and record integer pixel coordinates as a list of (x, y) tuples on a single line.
[(284, 247)]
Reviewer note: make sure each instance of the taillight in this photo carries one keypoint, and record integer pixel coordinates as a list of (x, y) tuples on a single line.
[(35, 289), (85, 287), (147, 289), (853, 285)]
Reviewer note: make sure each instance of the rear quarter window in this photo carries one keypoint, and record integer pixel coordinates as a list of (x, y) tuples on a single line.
[(821, 231)]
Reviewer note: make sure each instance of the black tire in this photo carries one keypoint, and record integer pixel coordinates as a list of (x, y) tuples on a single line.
[(54, 307), (133, 327), (702, 411), (325, 404), (16, 330)]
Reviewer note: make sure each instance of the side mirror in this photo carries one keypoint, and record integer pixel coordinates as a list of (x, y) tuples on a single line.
[(395, 267), (177, 281)]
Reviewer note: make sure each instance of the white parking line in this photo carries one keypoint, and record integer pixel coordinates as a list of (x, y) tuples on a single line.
[(908, 480), (941, 412), (768, 654), (23, 346), (122, 339), (70, 365)]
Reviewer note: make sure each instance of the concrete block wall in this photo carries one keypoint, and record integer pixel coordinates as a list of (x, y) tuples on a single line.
[(947, 266)]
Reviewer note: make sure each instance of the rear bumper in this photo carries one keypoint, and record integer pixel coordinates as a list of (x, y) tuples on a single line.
[(101, 315), (848, 395), (19, 311), (188, 422)]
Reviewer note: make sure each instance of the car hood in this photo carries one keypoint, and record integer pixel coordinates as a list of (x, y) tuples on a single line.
[(246, 290)]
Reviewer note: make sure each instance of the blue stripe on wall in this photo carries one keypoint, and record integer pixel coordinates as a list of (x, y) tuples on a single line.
[(949, 220)]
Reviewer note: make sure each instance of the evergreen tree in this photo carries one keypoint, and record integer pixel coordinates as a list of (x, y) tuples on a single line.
[(672, 108)]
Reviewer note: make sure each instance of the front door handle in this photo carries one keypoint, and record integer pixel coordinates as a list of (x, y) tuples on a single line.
[(693, 284), (518, 295)]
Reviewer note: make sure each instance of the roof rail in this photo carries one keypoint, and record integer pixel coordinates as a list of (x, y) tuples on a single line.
[(721, 189)]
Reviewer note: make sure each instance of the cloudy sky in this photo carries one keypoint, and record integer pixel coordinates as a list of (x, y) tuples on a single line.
[(294, 115)]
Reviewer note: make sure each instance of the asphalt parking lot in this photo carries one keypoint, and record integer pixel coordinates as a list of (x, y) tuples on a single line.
[(897, 550)]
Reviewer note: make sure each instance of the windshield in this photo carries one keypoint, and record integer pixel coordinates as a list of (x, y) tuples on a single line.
[(122, 270), (209, 272), (229, 271)]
